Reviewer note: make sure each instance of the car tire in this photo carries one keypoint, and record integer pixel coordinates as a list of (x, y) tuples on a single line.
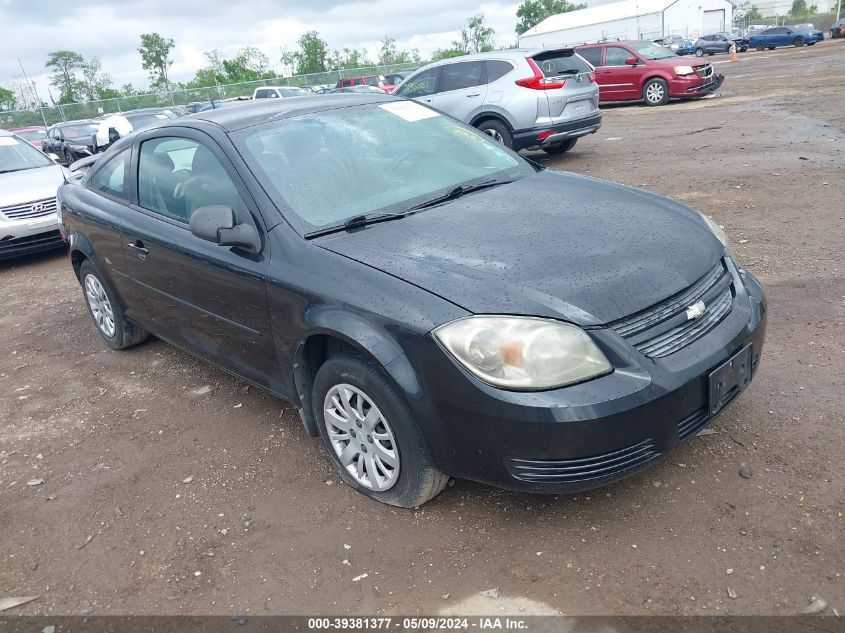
[(743, 49), (798, 42), (760, 46), (497, 131), (561, 148), (370, 391), (116, 330), (656, 92), (699, 52)]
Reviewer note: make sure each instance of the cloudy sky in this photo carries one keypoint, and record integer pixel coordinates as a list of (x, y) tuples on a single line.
[(111, 29)]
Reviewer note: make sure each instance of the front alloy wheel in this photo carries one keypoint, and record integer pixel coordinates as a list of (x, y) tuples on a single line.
[(656, 92), (361, 437), (100, 305)]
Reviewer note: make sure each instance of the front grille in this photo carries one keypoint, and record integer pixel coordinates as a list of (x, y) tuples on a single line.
[(665, 328), (34, 209), (583, 469), (691, 424), (705, 72)]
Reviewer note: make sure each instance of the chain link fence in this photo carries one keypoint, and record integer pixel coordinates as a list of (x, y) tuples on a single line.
[(49, 115)]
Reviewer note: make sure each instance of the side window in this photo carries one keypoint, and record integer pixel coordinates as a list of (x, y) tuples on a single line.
[(421, 85), (592, 55), (177, 176), (616, 56), (496, 69), (261, 94), (460, 75), (113, 177)]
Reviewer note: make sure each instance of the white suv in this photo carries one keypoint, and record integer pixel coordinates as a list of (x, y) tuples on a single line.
[(524, 98)]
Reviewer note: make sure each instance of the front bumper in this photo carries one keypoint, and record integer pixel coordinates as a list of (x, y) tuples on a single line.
[(523, 139), (22, 237), (695, 87), (582, 436)]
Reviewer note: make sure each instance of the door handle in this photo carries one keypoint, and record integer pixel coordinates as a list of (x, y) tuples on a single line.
[(138, 246), (474, 94)]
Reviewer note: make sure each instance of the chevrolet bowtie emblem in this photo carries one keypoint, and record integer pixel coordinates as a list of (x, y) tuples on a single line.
[(695, 310)]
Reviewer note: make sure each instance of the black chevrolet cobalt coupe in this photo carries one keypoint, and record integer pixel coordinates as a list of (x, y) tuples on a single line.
[(434, 304)]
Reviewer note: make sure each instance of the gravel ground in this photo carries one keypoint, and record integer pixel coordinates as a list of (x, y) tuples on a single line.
[(170, 487)]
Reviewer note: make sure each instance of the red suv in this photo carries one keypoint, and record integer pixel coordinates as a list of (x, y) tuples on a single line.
[(639, 70), (377, 81)]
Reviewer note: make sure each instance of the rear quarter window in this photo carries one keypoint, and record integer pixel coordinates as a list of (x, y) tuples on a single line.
[(496, 69), (557, 63)]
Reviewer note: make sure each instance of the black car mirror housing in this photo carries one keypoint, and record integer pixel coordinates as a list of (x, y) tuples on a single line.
[(216, 223)]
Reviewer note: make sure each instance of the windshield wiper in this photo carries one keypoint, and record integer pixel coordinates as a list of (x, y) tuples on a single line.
[(374, 218), (456, 193), (357, 221)]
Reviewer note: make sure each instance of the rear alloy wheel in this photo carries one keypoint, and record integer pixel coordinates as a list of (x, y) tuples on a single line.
[(561, 148), (798, 42), (117, 332), (699, 52), (760, 46), (370, 433), (656, 92), (498, 131)]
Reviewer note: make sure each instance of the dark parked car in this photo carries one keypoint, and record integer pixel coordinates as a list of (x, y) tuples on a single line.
[(719, 43), (450, 310), (783, 36), (836, 29), (70, 141)]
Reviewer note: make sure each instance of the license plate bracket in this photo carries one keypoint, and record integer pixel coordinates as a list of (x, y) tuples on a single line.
[(731, 377)]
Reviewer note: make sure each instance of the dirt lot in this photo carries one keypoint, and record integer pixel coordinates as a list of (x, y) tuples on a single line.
[(264, 526)]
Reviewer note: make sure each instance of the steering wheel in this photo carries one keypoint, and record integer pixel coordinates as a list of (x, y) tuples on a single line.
[(400, 160)]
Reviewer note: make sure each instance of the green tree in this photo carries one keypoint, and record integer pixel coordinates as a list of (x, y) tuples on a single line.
[(799, 8), (446, 53), (95, 83), (532, 12), (155, 58), (311, 56), (250, 64), (7, 99), (475, 36), (389, 53), (65, 64), (752, 15), (349, 58), (127, 90)]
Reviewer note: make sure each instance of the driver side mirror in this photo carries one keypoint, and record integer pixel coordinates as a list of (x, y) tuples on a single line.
[(216, 223), (631, 61)]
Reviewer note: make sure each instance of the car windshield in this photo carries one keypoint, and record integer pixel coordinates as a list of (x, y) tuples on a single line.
[(32, 135), (647, 50), (141, 121), (83, 130), (375, 80), (16, 155), (328, 167)]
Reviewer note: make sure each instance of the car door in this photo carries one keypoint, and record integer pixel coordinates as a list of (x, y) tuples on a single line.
[(461, 90), (208, 298), (619, 81), (422, 86), (778, 37)]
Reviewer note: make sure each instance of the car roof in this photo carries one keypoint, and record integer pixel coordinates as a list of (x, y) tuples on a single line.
[(251, 113), (6, 133), (27, 127)]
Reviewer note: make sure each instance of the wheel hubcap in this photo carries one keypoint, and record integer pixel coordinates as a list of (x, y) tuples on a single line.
[(361, 437), (100, 305), (654, 93), (494, 135)]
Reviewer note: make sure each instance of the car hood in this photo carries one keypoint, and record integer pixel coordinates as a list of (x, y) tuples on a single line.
[(28, 185), (552, 244)]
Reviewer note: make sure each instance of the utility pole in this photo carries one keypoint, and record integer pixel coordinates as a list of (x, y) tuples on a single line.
[(32, 90)]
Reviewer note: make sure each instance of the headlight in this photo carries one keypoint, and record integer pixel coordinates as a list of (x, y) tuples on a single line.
[(684, 70), (523, 352), (719, 233)]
